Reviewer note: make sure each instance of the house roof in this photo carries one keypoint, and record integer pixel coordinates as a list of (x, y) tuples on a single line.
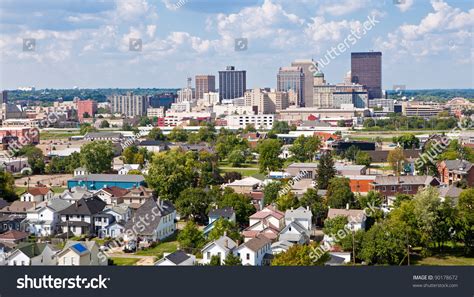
[(268, 211), (245, 182), (79, 247), (348, 167), (461, 166), (151, 206), (76, 193), (3, 203), (85, 206), (177, 257), (153, 143), (225, 212), (115, 191), (56, 204), (224, 242), (36, 191), (405, 180), (32, 249), (133, 178), (353, 215), (18, 206), (299, 213), (282, 244), (257, 243), (13, 235), (450, 191), (303, 165), (297, 226), (92, 135)]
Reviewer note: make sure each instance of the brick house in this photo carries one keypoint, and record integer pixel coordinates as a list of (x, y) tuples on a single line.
[(452, 171)]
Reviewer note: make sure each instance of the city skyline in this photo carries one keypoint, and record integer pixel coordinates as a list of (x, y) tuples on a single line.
[(424, 44)]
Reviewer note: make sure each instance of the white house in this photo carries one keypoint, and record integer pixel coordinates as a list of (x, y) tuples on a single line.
[(294, 232), (28, 254), (77, 218), (121, 212), (178, 258), (80, 171), (253, 251), (37, 194), (281, 246), (81, 253), (112, 195), (302, 215), (42, 220), (125, 169), (220, 247), (160, 221), (268, 222), (355, 217)]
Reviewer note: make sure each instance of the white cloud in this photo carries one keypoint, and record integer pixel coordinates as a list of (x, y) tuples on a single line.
[(436, 32), (405, 5), (342, 7)]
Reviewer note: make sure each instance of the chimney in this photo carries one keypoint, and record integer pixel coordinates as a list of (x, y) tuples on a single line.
[(307, 207), (347, 205)]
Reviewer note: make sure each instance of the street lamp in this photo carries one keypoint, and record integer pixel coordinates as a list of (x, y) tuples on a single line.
[(353, 244)]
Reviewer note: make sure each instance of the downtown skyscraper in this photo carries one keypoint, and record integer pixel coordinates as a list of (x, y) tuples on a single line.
[(232, 83), (366, 69)]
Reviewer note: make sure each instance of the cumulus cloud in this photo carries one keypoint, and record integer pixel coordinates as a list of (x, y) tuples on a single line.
[(404, 5), (338, 8)]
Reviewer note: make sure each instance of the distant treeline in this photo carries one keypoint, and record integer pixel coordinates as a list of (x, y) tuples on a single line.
[(432, 94), (100, 95)]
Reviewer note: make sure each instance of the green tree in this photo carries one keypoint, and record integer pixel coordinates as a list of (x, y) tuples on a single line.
[(396, 159), (215, 261), (351, 153), (339, 193), (97, 156), (156, 134), (332, 226), (407, 141), (86, 128), (194, 202), (269, 151), (383, 244), (316, 203), (104, 124), (223, 226), (305, 148), (171, 172), (287, 201), (228, 142), (373, 198), (465, 222), (325, 170), (35, 158), (270, 192), (7, 186), (299, 255), (239, 202), (178, 134), (190, 238), (236, 158), (426, 203), (399, 198), (363, 158), (232, 260)]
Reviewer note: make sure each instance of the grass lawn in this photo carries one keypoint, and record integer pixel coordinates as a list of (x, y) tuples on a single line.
[(449, 256), (56, 190), (243, 171), (168, 246), (59, 135), (124, 261)]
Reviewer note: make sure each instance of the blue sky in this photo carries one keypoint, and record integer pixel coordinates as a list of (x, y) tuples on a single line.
[(85, 43)]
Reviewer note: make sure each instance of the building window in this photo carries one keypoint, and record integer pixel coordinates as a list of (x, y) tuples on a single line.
[(248, 256), (393, 188)]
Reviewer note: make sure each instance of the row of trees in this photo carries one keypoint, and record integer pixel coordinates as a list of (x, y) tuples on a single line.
[(420, 221)]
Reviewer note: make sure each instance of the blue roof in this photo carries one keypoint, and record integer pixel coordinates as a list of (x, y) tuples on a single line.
[(79, 248)]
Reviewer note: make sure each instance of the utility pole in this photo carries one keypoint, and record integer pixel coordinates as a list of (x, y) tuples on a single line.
[(353, 245)]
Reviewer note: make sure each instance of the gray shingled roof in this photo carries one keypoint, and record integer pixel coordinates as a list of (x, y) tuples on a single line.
[(146, 209), (403, 180), (299, 213), (135, 178), (177, 257)]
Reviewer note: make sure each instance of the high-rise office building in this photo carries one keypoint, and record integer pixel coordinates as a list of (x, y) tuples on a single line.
[(309, 68), (205, 84), (292, 78), (4, 97), (232, 83), (366, 69), (129, 104), (84, 107), (187, 94)]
